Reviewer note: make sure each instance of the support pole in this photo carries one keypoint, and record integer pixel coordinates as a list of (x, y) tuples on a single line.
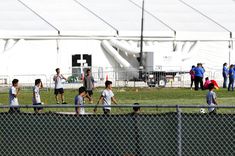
[(141, 43), (179, 131)]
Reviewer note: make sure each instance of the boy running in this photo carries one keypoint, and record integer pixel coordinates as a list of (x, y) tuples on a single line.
[(58, 86), (211, 99), (79, 100), (36, 95), (13, 94), (107, 97)]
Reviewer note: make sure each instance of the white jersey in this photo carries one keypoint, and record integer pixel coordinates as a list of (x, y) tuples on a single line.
[(36, 92), (107, 98), (58, 81), (13, 101)]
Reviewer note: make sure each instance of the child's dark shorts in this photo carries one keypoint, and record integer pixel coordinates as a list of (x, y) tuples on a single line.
[(38, 108), (59, 91)]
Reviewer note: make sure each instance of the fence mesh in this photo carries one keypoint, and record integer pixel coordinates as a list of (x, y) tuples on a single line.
[(122, 132)]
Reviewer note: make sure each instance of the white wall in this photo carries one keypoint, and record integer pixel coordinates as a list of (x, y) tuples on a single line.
[(211, 54), (28, 57), (40, 56), (93, 47)]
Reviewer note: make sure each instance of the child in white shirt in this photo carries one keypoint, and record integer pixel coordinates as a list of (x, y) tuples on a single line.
[(107, 97), (36, 95), (13, 96)]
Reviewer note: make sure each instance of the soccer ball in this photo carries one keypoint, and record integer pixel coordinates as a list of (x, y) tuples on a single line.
[(202, 110)]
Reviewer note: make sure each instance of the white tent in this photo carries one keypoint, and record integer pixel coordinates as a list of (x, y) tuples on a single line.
[(179, 19), (53, 30)]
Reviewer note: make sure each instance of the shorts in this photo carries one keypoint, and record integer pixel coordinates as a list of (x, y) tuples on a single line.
[(90, 92), (38, 108), (106, 111), (59, 91), (14, 110)]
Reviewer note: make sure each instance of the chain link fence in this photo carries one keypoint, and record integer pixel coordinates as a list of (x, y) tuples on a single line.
[(155, 130)]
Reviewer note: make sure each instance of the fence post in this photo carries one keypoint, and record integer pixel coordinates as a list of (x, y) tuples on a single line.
[(179, 131)]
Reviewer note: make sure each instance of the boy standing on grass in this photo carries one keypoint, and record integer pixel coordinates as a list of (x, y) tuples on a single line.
[(79, 100), (13, 94), (36, 95), (88, 83), (211, 99), (58, 86), (107, 97)]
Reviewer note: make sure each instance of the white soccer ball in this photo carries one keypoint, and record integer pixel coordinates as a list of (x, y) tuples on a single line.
[(202, 110), (42, 103)]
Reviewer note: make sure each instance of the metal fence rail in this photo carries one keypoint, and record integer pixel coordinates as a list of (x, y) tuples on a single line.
[(176, 106), (123, 77), (123, 132)]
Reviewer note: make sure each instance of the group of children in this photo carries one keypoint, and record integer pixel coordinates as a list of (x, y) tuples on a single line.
[(14, 92), (107, 96)]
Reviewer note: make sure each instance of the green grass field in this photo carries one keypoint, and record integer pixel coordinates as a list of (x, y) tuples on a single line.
[(161, 96)]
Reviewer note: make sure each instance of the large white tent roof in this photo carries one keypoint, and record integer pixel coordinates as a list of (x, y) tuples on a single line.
[(177, 19), (15, 19)]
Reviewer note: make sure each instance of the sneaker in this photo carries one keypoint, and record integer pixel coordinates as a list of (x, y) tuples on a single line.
[(64, 102), (57, 103)]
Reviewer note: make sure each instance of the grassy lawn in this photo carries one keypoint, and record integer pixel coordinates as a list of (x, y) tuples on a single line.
[(161, 96)]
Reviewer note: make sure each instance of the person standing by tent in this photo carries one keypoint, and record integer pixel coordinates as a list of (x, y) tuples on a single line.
[(231, 77), (199, 73), (192, 75), (225, 75), (58, 86), (88, 83)]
